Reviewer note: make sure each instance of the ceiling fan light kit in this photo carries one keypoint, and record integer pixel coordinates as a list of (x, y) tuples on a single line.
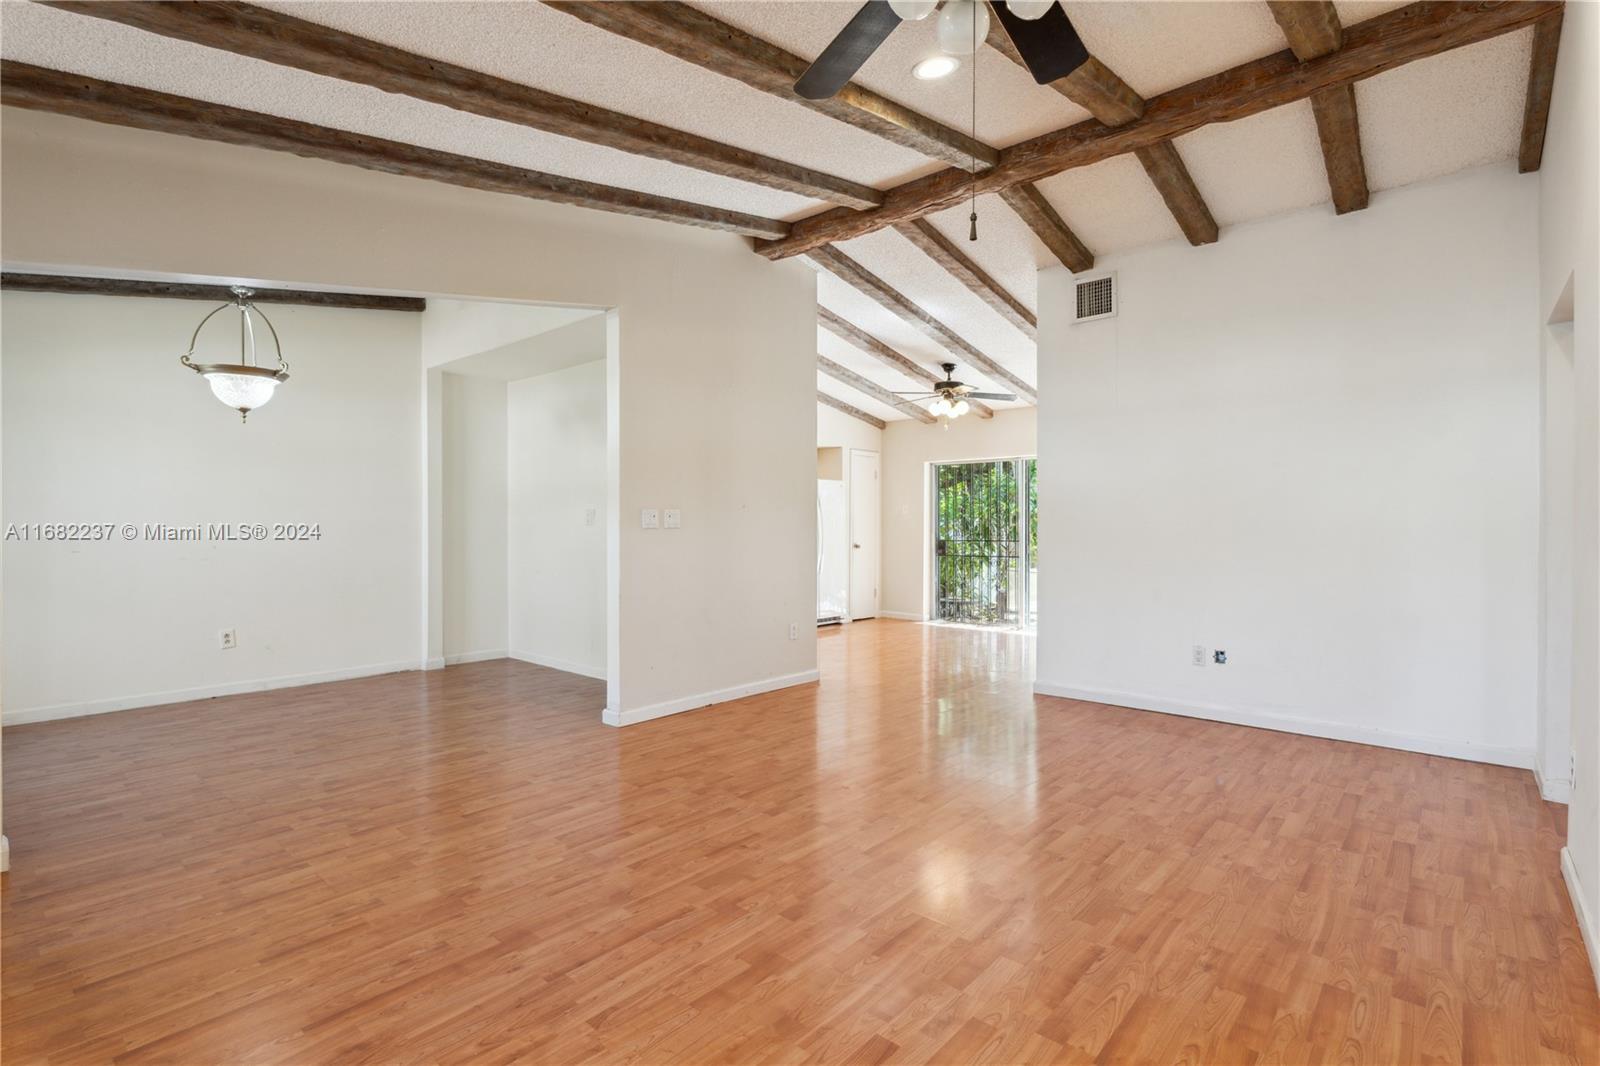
[(1040, 30), (950, 396), (935, 67), (245, 385)]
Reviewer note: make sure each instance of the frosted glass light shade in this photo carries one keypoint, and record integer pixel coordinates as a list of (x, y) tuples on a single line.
[(961, 407), (957, 34), (940, 406), (242, 392), (913, 10), (1029, 9)]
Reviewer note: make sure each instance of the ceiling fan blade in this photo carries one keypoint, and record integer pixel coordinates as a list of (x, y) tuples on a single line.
[(1048, 45), (838, 63), (990, 396)]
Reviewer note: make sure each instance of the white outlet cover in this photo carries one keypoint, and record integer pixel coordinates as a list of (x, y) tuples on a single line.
[(649, 518), (589, 514), (671, 518)]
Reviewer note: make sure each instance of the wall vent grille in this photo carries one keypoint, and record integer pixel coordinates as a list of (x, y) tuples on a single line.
[(1097, 298)]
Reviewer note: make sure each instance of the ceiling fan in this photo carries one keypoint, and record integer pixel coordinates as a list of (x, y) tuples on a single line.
[(950, 396), (1040, 29)]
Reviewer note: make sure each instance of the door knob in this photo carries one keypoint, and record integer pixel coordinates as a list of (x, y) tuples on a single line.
[(855, 545)]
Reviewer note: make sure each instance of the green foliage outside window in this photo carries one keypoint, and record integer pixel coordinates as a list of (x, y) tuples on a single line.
[(977, 526)]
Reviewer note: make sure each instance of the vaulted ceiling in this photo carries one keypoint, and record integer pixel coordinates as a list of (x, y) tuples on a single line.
[(698, 113)]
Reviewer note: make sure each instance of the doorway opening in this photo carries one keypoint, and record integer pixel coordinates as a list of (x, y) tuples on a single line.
[(985, 527)]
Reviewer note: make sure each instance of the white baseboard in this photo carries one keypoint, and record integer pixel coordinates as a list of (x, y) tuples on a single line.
[(436, 663), (474, 657), (1586, 926), (1553, 789), (705, 699), (564, 665), (903, 616), (1521, 758), (52, 712)]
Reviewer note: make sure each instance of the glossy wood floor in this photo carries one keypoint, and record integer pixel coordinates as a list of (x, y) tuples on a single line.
[(915, 861)]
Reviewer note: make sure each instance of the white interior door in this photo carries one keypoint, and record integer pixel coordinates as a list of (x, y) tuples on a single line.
[(864, 520)]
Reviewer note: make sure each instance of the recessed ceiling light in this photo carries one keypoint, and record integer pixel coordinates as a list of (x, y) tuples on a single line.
[(936, 67)]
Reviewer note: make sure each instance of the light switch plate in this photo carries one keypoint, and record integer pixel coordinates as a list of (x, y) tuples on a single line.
[(671, 518), (649, 518)]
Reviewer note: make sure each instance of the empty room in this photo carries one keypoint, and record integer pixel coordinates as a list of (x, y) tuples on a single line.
[(800, 531)]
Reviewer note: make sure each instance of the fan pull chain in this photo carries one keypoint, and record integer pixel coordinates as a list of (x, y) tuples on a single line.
[(972, 220)]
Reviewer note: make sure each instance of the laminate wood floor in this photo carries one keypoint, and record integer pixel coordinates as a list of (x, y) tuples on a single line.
[(915, 861)]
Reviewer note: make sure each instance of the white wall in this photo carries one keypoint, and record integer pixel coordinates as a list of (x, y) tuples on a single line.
[(1313, 444), (475, 510), (556, 563), (711, 383), (908, 449), (102, 424), (1569, 263)]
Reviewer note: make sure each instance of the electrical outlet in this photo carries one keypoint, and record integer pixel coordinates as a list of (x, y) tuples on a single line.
[(228, 639), (1199, 656), (589, 514), (649, 518), (671, 518), (1219, 657), (794, 630)]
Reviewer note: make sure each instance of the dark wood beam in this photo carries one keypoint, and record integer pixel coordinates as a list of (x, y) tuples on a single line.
[(881, 292), (862, 385), (260, 33), (1339, 131), (1541, 80), (1310, 26), (1178, 191), (853, 412), (40, 89), (701, 39), (1382, 43), (176, 290), (1097, 89), (979, 282), (1312, 29), (1031, 206), (853, 334)]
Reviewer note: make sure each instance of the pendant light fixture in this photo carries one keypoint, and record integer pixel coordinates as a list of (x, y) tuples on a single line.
[(245, 385)]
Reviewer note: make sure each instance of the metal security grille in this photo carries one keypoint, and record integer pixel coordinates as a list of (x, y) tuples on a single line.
[(1096, 298), (982, 574)]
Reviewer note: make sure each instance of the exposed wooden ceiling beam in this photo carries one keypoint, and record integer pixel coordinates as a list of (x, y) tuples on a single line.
[(698, 38), (851, 333), (1312, 29), (943, 250), (1310, 26), (1097, 89), (1541, 80), (871, 388), (1339, 131), (1382, 43), (875, 288), (275, 37), (40, 89), (853, 412), (1031, 206), (1178, 191), (176, 290)]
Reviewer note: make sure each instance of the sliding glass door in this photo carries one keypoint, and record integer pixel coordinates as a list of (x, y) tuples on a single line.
[(985, 540)]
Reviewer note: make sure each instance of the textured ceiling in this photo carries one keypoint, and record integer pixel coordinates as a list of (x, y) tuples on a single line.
[(1423, 120)]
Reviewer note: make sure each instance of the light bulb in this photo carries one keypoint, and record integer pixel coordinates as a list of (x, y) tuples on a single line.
[(957, 33), (936, 67), (913, 10), (961, 407), (1028, 10), (939, 407)]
